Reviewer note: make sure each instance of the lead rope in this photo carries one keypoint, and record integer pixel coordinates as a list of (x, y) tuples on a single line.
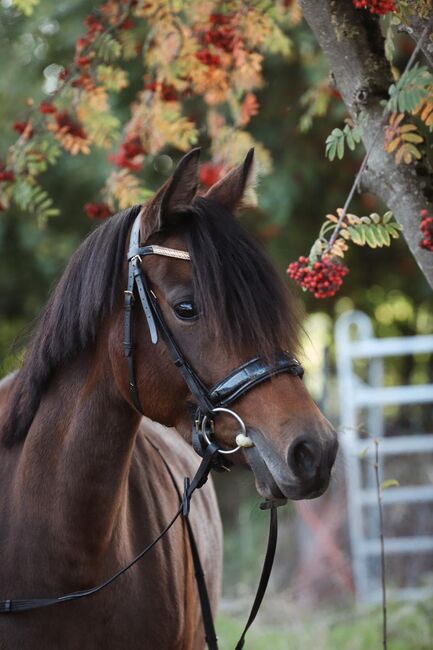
[(265, 575), (206, 609)]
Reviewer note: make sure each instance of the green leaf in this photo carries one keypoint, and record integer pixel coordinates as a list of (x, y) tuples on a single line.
[(412, 87), (369, 236), (387, 216), (377, 235), (357, 235), (332, 143), (392, 230), (340, 148), (392, 482), (386, 239), (108, 49), (335, 142), (349, 139), (389, 44), (413, 137)]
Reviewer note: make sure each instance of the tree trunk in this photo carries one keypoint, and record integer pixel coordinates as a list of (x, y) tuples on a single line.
[(352, 41)]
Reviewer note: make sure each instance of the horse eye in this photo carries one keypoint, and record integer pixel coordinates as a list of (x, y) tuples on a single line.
[(185, 310)]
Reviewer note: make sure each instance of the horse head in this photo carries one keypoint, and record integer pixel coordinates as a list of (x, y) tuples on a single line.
[(223, 304)]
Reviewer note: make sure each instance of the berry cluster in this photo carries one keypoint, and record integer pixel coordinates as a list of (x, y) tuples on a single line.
[(380, 7), (130, 154), (426, 228), (167, 92), (67, 125), (47, 108), (323, 278), (207, 58), (5, 175), (221, 36), (97, 210), (25, 129)]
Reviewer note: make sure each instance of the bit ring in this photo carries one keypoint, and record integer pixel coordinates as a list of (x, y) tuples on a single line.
[(243, 431)]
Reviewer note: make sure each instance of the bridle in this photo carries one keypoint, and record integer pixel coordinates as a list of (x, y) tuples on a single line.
[(208, 402)]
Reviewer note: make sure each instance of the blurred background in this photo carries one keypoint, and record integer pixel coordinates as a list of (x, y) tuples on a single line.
[(313, 594)]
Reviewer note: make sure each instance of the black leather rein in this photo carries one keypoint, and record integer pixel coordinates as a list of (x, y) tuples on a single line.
[(208, 403)]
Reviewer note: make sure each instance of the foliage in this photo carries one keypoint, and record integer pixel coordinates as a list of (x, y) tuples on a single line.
[(138, 93), (411, 89), (402, 139), (25, 6), (194, 49), (338, 139)]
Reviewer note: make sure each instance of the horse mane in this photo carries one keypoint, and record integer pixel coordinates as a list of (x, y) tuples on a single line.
[(236, 288), (86, 293)]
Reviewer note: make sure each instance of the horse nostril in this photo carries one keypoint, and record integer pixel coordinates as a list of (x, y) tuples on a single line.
[(304, 457)]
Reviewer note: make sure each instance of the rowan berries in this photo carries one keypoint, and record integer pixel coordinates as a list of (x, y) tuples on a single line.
[(426, 228), (323, 278), (380, 7)]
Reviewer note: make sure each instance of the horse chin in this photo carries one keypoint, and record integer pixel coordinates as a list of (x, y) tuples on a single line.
[(265, 467), (266, 485)]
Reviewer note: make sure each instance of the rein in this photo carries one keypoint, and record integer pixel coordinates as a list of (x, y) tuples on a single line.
[(209, 402)]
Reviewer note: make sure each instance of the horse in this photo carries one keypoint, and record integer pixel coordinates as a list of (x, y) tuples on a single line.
[(87, 478)]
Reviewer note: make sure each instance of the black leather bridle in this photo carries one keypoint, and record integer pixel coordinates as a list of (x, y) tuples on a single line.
[(208, 403)]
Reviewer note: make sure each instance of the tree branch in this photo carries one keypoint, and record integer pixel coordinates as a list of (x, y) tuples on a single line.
[(352, 41), (414, 29)]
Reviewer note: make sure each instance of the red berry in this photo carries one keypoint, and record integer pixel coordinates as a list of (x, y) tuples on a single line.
[(426, 228), (97, 210), (6, 176), (323, 278), (46, 108), (380, 7)]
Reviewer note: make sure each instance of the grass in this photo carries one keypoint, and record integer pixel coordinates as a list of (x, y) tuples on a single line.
[(410, 628)]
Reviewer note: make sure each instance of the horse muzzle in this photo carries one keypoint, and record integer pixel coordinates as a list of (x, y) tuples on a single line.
[(303, 472)]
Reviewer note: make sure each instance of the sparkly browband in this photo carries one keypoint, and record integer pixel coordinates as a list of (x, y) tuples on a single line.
[(170, 252)]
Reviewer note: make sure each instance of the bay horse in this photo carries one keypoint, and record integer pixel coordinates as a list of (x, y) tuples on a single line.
[(82, 482)]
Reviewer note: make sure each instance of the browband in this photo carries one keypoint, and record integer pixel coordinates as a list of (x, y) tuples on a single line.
[(154, 249)]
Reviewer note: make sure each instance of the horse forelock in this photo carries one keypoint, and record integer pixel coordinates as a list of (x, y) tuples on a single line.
[(237, 288)]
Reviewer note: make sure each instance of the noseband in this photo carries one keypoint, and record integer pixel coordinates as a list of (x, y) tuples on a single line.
[(211, 401)]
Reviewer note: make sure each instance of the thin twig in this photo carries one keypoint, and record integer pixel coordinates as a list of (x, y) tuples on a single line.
[(382, 548), (358, 176)]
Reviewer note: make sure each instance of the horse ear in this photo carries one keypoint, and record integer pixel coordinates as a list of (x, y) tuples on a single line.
[(174, 196), (230, 190)]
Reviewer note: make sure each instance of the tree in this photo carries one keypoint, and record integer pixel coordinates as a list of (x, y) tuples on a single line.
[(150, 78), (363, 71)]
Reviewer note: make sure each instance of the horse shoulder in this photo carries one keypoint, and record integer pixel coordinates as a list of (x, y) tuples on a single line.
[(204, 516)]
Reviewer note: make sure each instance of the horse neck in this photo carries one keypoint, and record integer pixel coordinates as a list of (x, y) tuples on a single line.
[(77, 455)]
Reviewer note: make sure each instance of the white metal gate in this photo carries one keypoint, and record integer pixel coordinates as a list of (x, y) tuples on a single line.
[(355, 340)]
